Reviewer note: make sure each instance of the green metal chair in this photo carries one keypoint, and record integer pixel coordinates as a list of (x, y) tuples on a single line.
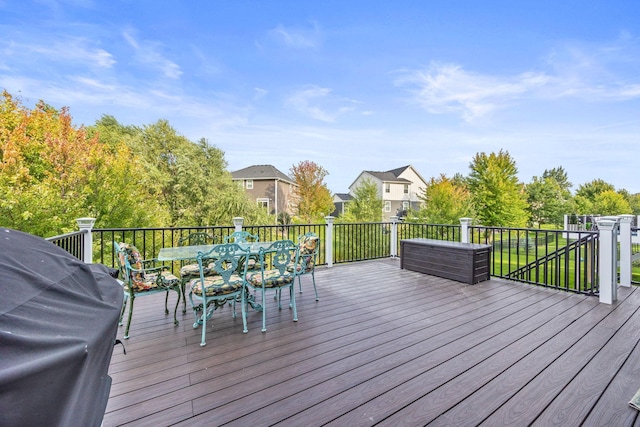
[(245, 237), (190, 270), (141, 279), (309, 244), (275, 275), (224, 282)]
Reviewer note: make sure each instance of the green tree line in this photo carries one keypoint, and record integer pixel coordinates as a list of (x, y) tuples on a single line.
[(492, 195), (52, 172)]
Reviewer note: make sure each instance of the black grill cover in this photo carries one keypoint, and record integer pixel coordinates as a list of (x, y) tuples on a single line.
[(58, 323)]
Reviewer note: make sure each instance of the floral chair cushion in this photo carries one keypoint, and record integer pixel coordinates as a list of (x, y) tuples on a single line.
[(141, 281), (272, 279), (307, 259), (216, 286), (309, 245)]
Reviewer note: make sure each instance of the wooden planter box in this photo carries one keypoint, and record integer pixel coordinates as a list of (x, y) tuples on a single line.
[(463, 262)]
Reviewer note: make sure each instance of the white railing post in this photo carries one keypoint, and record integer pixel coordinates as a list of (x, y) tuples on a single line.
[(328, 244), (394, 236), (625, 250), (237, 222), (464, 229), (86, 224), (607, 264)]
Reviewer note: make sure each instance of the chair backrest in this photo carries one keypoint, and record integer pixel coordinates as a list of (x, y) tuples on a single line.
[(198, 238), (278, 255), (223, 260), (241, 237), (309, 243), (129, 262)]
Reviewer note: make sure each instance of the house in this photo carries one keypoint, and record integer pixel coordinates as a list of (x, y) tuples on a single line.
[(340, 201), (400, 189), (269, 187)]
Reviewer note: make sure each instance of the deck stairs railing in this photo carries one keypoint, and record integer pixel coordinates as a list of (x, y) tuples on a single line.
[(547, 266)]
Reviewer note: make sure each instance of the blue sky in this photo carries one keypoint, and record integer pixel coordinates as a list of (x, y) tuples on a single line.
[(351, 85)]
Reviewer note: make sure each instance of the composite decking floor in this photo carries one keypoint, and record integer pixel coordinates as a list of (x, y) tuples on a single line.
[(388, 347)]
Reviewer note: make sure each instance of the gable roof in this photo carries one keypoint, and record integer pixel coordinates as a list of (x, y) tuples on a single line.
[(388, 176), (261, 172), (342, 197)]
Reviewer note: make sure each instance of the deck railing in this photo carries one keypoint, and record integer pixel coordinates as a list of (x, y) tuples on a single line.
[(562, 259), (549, 258), (74, 243)]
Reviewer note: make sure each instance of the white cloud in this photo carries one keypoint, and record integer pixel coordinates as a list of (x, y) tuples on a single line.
[(594, 73), (448, 88), (318, 103), (63, 50), (297, 38), (148, 53)]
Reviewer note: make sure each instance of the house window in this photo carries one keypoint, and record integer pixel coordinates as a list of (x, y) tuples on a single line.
[(406, 189), (387, 188), (248, 184), (405, 205), (387, 206), (264, 203)]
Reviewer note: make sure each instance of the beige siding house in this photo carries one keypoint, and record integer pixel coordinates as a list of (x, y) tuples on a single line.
[(400, 189), (269, 187)]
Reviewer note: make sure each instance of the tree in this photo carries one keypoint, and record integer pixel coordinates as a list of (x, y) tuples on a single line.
[(52, 172), (611, 203), (445, 201), (560, 176), (366, 205), (549, 197), (591, 189), (634, 202), (498, 198), (117, 198), (313, 196)]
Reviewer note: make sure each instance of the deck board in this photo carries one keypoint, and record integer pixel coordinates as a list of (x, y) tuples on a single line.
[(427, 351)]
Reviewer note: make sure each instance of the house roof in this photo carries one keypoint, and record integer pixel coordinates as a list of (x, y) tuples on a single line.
[(387, 176), (343, 197), (261, 172)]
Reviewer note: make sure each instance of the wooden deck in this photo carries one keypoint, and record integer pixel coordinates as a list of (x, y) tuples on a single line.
[(427, 351)]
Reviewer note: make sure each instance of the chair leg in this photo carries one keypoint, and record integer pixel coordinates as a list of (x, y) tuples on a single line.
[(166, 303), (124, 306), (175, 310), (264, 310), (313, 277), (183, 286), (244, 311), (292, 292), (126, 331), (203, 342)]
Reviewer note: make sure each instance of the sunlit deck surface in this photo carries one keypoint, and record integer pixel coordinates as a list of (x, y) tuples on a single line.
[(386, 346)]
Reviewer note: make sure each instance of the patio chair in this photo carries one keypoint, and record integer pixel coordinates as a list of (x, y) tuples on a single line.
[(189, 270), (275, 275), (141, 277), (309, 246), (225, 282), (245, 237)]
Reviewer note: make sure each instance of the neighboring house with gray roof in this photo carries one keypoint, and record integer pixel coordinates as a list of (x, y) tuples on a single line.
[(399, 189), (340, 201), (269, 187)]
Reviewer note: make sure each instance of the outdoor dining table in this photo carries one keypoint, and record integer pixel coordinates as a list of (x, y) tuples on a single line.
[(190, 252), (183, 253)]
